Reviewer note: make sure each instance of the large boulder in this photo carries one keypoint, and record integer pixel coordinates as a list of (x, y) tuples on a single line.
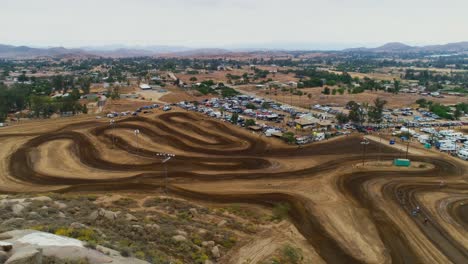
[(108, 214), (29, 244)]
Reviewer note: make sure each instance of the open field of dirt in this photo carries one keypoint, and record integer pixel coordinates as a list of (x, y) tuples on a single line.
[(394, 100), (344, 212)]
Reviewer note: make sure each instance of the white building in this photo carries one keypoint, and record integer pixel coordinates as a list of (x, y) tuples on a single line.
[(145, 86)]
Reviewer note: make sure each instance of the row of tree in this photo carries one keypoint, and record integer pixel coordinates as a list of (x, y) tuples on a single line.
[(34, 94), (360, 113)]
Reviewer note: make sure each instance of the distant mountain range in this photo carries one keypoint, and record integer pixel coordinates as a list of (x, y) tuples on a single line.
[(397, 47), (9, 51)]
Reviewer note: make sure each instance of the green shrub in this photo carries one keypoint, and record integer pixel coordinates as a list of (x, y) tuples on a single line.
[(280, 211), (292, 255), (125, 202)]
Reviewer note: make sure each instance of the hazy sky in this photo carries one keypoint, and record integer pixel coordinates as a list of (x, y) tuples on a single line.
[(232, 23)]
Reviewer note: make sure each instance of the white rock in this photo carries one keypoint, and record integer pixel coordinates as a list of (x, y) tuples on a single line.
[(222, 223), (47, 239), (179, 238), (108, 251), (60, 205), (154, 226), (215, 252), (77, 225), (42, 199), (130, 217), (208, 243), (108, 214), (17, 209)]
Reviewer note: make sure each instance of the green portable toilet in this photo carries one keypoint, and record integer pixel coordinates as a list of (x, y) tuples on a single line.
[(427, 145), (402, 162)]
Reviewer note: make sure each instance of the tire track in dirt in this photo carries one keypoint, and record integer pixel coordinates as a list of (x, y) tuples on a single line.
[(228, 151)]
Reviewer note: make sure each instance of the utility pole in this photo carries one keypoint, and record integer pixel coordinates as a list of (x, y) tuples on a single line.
[(407, 148), (166, 157), (380, 146), (364, 143), (137, 132), (112, 125)]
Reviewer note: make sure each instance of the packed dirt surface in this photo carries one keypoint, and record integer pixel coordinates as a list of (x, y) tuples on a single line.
[(345, 212), (394, 100)]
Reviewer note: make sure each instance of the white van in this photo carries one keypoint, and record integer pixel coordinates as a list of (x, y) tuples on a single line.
[(448, 147), (465, 145), (463, 154)]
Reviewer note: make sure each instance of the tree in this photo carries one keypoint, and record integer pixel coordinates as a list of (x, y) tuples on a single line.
[(422, 102), (342, 118), (326, 91), (58, 82), (334, 92), (357, 114), (351, 104), (289, 137), (250, 106), (396, 84), (341, 90), (3, 102), (265, 105), (441, 110), (234, 118), (457, 114), (85, 84), (375, 111), (193, 79), (114, 92), (84, 109), (250, 122), (23, 78)]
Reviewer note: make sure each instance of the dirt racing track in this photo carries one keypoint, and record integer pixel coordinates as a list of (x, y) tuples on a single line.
[(348, 213)]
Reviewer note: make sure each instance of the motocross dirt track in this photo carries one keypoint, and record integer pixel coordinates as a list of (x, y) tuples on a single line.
[(349, 213)]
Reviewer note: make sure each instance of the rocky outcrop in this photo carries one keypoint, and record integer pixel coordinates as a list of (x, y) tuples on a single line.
[(31, 247)]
